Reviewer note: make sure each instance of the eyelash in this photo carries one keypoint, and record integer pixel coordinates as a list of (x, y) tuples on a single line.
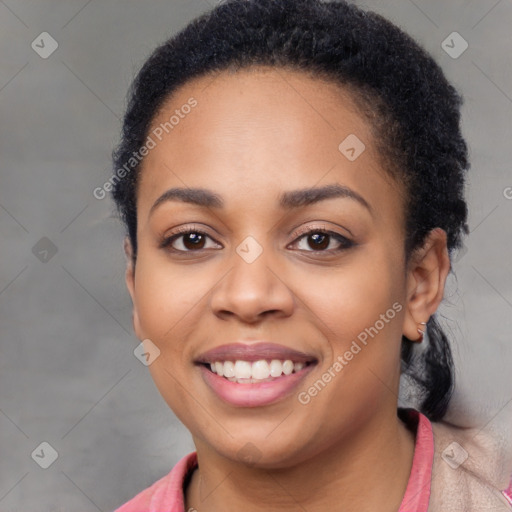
[(344, 242)]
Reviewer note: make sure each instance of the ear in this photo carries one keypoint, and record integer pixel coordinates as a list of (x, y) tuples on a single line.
[(130, 283), (426, 276)]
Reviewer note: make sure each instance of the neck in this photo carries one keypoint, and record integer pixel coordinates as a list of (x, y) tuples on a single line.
[(368, 472)]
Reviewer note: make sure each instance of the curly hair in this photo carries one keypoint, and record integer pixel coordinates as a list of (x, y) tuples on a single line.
[(413, 111)]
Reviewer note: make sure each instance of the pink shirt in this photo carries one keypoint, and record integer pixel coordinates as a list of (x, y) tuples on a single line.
[(167, 494)]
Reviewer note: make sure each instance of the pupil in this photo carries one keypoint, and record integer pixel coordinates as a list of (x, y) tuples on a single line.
[(194, 239), (322, 237)]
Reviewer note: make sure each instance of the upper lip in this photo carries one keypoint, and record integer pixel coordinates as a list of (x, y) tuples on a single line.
[(254, 352)]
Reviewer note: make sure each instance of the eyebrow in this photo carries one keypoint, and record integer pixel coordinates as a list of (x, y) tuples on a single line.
[(287, 200)]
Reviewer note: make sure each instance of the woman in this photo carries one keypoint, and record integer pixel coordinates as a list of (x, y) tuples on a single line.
[(291, 177)]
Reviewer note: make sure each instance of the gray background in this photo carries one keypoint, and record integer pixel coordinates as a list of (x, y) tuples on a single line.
[(68, 375)]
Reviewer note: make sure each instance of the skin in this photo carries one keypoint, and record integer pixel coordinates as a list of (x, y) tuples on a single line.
[(254, 134)]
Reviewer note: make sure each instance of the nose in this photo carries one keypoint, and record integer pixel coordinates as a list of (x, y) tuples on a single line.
[(252, 290)]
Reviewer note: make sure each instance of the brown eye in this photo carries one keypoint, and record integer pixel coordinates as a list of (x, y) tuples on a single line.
[(189, 241), (318, 240), (193, 241)]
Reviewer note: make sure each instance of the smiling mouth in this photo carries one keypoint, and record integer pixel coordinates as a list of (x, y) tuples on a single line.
[(250, 372)]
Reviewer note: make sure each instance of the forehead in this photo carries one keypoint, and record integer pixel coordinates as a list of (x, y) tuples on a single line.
[(258, 126), (263, 99)]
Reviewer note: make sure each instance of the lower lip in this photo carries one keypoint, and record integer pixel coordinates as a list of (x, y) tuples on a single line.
[(254, 394)]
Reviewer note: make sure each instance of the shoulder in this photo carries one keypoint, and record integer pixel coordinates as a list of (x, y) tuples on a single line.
[(166, 492), (472, 469)]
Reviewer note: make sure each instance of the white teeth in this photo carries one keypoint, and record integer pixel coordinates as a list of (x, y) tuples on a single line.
[(288, 367), (219, 369), (243, 369), (229, 369), (260, 370), (246, 371), (276, 368)]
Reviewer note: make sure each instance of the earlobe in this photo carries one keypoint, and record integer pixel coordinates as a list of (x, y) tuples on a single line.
[(428, 269)]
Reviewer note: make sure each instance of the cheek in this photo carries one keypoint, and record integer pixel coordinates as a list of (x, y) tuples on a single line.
[(358, 296), (360, 309), (167, 313), (166, 300)]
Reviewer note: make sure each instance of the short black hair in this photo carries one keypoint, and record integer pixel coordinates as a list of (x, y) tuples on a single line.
[(413, 110)]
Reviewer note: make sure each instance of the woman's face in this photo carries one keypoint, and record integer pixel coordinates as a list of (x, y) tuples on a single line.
[(256, 139)]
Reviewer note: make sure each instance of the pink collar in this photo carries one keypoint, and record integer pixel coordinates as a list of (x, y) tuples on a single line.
[(417, 494)]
